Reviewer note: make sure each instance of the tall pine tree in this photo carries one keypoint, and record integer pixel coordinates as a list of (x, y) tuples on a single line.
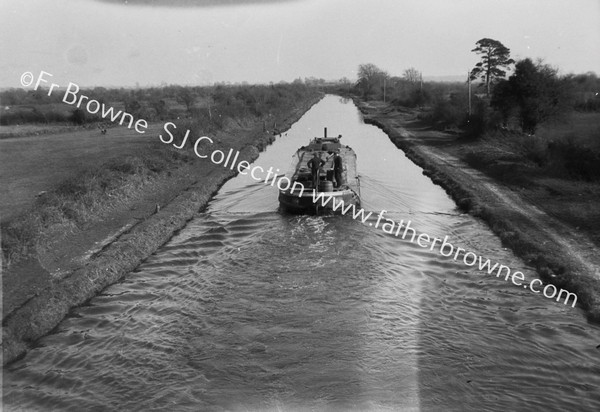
[(495, 58)]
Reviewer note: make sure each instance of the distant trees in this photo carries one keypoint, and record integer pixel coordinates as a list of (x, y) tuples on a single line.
[(586, 90), (160, 106), (370, 79), (186, 97), (132, 106), (209, 106), (412, 75), (495, 58), (345, 81), (417, 96), (533, 94), (313, 81), (535, 91)]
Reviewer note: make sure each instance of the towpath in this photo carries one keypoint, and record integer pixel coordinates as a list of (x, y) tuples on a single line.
[(563, 255)]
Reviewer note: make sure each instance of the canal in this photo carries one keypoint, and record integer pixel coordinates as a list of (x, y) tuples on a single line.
[(248, 308)]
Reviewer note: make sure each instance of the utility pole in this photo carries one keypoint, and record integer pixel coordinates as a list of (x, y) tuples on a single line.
[(469, 82)]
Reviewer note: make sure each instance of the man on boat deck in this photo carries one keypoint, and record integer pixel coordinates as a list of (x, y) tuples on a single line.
[(315, 164), (338, 168)]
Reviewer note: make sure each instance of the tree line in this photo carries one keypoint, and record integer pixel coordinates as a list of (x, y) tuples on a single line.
[(534, 93), (211, 105), (553, 116)]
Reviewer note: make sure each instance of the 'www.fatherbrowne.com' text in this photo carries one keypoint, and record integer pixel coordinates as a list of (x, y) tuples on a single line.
[(445, 248)]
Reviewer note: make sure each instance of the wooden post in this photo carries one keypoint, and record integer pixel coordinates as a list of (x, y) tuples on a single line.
[(469, 82)]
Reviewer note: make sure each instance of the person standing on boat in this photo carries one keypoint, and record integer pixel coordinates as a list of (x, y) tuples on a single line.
[(315, 165), (338, 168)]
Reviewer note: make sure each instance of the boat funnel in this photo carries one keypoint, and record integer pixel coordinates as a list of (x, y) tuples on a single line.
[(325, 133)]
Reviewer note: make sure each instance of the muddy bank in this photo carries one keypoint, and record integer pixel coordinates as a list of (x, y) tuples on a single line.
[(39, 292), (561, 254)]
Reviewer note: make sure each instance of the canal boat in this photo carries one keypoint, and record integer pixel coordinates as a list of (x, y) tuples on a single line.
[(326, 195)]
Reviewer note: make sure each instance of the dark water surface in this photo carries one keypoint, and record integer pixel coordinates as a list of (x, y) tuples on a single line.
[(251, 309)]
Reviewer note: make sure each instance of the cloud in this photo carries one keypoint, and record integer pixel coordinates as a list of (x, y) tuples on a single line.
[(191, 3)]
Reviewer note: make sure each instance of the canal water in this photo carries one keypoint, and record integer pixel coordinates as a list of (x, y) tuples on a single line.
[(250, 309)]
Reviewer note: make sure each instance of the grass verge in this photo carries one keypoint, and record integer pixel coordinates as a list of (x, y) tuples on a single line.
[(87, 197)]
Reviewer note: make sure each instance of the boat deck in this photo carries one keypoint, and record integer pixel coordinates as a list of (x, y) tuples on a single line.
[(302, 173)]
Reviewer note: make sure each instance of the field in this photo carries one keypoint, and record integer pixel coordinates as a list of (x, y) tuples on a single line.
[(34, 164), (581, 126), (557, 169), (60, 171)]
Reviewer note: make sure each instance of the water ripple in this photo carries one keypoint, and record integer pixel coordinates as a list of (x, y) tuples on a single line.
[(250, 309)]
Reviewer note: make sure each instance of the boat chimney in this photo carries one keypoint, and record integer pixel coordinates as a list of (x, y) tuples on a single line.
[(325, 133)]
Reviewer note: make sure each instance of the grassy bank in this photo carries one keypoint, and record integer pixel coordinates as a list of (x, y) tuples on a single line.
[(71, 179), (91, 229), (545, 215), (89, 196)]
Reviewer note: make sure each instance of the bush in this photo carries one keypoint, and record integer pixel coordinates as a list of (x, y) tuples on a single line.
[(23, 115), (78, 116), (535, 149), (591, 105), (450, 112), (537, 93), (580, 161), (480, 120)]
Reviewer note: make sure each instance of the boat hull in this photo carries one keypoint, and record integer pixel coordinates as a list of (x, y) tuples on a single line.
[(318, 203)]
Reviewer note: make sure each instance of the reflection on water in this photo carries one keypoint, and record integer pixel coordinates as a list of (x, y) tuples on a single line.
[(251, 309)]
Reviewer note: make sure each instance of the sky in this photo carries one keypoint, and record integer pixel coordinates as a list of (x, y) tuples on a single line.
[(153, 42)]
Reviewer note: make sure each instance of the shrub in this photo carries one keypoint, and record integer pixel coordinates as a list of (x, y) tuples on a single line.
[(480, 120), (536, 91), (535, 149), (78, 116), (580, 161), (448, 113)]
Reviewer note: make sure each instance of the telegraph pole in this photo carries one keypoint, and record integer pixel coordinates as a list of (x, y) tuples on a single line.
[(469, 82)]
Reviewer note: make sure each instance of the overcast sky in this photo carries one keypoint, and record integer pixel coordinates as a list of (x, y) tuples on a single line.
[(148, 42)]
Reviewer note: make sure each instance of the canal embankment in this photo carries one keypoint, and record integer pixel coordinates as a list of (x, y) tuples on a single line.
[(563, 254), (73, 262)]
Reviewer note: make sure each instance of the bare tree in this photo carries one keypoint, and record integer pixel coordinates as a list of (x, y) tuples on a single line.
[(412, 75), (370, 77)]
